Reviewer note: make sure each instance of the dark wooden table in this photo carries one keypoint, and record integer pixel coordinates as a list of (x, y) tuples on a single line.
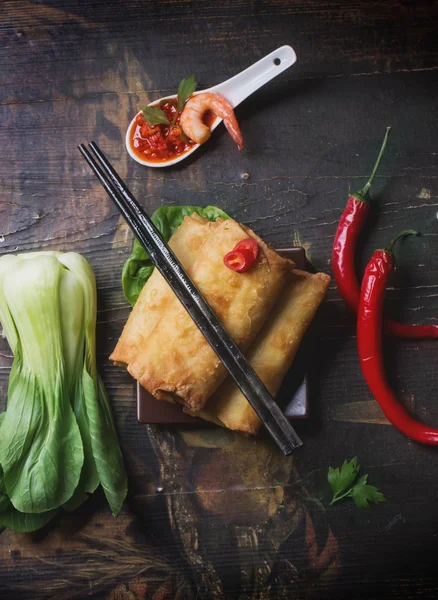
[(211, 514)]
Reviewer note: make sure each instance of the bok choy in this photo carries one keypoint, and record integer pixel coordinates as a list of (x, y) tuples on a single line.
[(57, 437)]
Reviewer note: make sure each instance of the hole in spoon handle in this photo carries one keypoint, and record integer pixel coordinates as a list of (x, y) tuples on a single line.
[(257, 75)]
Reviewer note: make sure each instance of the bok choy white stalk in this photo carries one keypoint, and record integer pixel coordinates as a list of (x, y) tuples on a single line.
[(57, 437)]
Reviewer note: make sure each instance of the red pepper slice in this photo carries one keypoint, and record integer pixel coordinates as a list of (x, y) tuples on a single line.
[(239, 260), (248, 244)]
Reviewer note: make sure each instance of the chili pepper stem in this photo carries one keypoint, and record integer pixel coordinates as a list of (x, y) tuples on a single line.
[(401, 235), (362, 194)]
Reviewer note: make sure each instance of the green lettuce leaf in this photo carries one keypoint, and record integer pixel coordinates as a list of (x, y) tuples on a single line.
[(138, 268)]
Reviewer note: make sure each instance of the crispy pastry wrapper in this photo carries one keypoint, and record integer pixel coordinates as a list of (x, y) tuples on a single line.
[(272, 353), (176, 363), (186, 243)]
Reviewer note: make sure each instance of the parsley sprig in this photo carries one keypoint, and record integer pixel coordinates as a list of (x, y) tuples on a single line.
[(341, 481), (153, 115), (185, 90)]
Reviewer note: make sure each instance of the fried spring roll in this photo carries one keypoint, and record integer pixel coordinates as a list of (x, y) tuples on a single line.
[(272, 353), (177, 364), (186, 243)]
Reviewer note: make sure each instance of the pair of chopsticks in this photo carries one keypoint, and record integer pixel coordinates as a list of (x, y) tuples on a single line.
[(197, 307)]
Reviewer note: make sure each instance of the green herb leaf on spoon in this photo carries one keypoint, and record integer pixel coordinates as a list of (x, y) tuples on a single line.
[(154, 115), (185, 90)]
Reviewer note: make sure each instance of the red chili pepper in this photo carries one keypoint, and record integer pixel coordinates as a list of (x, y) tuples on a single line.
[(239, 260), (369, 338), (343, 257), (242, 256), (248, 244)]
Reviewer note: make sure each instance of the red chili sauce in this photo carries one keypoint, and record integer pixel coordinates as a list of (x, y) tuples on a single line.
[(161, 143)]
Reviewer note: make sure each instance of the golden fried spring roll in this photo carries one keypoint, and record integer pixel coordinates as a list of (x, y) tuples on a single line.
[(154, 297), (272, 353), (177, 364)]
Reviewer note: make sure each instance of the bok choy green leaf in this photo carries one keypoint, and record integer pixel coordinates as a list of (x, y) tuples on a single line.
[(11, 518), (57, 437), (92, 407), (41, 450)]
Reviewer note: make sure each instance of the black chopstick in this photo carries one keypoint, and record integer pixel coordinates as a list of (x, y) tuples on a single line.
[(206, 320)]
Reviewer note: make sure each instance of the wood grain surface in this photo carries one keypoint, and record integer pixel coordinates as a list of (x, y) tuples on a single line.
[(211, 514)]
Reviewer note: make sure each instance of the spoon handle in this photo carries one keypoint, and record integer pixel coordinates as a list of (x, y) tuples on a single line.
[(251, 79)]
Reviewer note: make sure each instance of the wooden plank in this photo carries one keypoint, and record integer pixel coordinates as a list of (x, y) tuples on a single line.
[(138, 45), (215, 514)]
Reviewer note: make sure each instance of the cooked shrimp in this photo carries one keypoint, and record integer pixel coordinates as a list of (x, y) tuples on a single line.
[(199, 132)]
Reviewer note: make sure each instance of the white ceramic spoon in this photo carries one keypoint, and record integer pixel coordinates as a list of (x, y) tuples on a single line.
[(235, 90)]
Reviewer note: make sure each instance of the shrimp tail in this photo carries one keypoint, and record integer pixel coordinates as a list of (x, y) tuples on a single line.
[(223, 109), (197, 130)]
